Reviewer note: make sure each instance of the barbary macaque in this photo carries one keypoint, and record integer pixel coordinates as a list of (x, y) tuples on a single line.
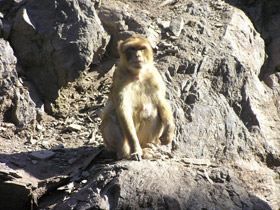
[(137, 114)]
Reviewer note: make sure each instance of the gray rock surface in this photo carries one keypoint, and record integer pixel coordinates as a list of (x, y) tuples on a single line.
[(162, 185), (42, 155), (15, 102), (55, 41), (122, 21)]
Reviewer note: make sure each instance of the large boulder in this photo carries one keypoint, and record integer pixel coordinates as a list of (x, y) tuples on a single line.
[(162, 185), (15, 103), (214, 86), (55, 41), (123, 21)]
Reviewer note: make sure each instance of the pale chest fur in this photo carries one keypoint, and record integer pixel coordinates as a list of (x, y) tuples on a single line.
[(143, 101)]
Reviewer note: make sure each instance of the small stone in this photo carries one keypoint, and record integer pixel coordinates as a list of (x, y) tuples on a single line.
[(32, 140), (92, 137), (163, 23), (195, 161), (42, 155), (85, 174), (67, 188), (176, 26), (72, 160), (61, 139), (18, 164), (59, 148), (34, 162), (74, 127), (39, 127)]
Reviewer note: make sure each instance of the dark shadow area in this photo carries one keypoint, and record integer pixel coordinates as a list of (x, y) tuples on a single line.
[(47, 163), (27, 177)]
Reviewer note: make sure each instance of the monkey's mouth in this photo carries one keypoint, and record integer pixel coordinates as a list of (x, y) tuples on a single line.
[(137, 64)]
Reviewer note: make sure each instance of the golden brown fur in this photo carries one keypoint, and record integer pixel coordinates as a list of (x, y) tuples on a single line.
[(137, 114)]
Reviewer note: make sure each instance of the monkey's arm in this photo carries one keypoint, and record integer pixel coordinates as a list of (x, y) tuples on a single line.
[(121, 94), (167, 120), (124, 115)]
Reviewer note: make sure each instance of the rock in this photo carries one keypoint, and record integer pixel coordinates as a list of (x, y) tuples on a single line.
[(7, 173), (245, 41), (18, 192), (67, 188), (85, 174), (164, 23), (8, 77), (56, 41), (59, 148), (31, 140), (14, 187), (123, 21), (39, 127), (176, 26), (92, 137), (16, 104), (196, 161), (23, 189), (23, 111), (74, 127), (42, 155), (34, 162), (72, 160), (265, 16), (161, 185)]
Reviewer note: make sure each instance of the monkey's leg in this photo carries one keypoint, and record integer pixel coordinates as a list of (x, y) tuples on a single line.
[(113, 137), (150, 131), (167, 120), (148, 135)]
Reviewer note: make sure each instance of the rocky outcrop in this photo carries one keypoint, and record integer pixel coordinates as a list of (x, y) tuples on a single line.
[(55, 41), (171, 185), (15, 102), (223, 89), (122, 21)]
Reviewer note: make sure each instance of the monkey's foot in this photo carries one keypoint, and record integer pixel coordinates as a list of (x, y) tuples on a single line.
[(151, 153), (148, 153), (136, 156)]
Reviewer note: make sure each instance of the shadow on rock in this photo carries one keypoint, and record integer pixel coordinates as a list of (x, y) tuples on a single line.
[(26, 177)]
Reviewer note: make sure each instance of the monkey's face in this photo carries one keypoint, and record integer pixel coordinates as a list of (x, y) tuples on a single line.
[(136, 54), (136, 57)]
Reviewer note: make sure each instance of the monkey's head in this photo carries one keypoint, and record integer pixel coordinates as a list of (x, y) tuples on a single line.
[(135, 54)]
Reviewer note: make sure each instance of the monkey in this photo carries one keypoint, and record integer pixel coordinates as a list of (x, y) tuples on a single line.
[(137, 114)]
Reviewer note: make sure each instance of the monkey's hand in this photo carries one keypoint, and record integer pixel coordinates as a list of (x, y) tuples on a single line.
[(136, 156), (167, 135)]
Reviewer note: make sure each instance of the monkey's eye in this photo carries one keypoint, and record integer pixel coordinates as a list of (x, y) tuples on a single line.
[(131, 49), (142, 48)]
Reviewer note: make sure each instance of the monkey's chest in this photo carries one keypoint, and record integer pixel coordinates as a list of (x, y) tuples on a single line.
[(144, 110), (144, 114), (144, 103)]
